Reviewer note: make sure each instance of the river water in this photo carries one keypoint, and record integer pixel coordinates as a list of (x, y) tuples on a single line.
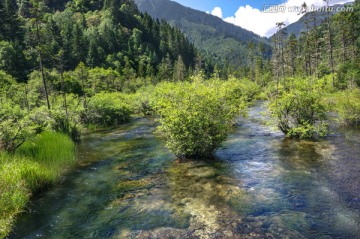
[(260, 185)]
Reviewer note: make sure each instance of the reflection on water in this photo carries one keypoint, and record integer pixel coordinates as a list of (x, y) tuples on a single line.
[(260, 186)]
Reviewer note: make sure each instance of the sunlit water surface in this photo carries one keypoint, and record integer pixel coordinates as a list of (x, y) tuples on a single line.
[(261, 185)]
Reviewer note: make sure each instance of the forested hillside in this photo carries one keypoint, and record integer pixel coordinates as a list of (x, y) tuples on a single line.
[(309, 20), (330, 47), (226, 42), (110, 34)]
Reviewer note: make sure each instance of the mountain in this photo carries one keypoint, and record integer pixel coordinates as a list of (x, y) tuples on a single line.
[(311, 19), (208, 33), (104, 33)]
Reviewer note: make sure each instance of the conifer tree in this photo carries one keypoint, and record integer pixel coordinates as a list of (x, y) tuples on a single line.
[(179, 69), (329, 41), (36, 31)]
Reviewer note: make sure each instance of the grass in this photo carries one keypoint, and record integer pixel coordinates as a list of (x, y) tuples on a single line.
[(36, 165)]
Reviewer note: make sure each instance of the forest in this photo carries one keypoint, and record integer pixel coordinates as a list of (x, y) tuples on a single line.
[(224, 44), (73, 68)]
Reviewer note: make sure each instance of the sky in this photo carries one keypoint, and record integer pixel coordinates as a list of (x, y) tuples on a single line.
[(248, 13)]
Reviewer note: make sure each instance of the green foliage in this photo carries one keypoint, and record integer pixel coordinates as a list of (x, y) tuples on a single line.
[(299, 108), (7, 85), (18, 122), (55, 151), (14, 194), (221, 40), (101, 79), (16, 125), (320, 44), (244, 88), (141, 102), (66, 118), (107, 109), (10, 29), (347, 105), (11, 59), (196, 117), (61, 34), (36, 164), (348, 76)]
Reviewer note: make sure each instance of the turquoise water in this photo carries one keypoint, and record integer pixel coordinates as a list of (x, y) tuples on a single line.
[(260, 185)]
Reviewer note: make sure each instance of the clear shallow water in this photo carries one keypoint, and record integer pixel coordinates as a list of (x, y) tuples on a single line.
[(260, 186)]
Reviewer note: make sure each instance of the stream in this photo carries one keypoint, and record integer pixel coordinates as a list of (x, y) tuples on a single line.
[(261, 185)]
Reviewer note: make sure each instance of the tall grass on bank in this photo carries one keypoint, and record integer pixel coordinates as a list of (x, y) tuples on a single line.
[(36, 165), (54, 151)]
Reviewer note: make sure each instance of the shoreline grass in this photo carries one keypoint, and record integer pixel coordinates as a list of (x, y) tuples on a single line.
[(37, 164)]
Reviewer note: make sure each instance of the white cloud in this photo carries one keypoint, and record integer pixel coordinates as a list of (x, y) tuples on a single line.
[(217, 12), (264, 24)]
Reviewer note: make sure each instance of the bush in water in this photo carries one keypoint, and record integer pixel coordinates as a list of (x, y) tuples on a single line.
[(299, 108), (107, 109), (196, 117)]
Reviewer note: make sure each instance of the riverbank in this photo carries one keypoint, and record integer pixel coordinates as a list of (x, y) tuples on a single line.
[(36, 165)]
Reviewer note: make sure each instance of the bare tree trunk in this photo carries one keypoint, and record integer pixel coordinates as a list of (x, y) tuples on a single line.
[(330, 43), (41, 64), (83, 90), (64, 94), (44, 80)]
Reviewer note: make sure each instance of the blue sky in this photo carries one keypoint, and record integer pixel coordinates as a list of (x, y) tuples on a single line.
[(248, 13), (229, 7)]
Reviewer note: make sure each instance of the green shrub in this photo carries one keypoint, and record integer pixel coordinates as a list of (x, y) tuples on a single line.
[(67, 119), (243, 88), (348, 75), (141, 101), (107, 109), (16, 125), (347, 105), (299, 108), (196, 117)]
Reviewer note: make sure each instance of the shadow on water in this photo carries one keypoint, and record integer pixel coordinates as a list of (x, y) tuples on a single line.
[(260, 185)]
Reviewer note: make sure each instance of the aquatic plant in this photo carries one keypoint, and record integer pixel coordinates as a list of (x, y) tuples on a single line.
[(347, 104), (196, 117), (299, 108), (107, 109)]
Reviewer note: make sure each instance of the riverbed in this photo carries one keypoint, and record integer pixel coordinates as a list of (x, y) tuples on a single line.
[(259, 185)]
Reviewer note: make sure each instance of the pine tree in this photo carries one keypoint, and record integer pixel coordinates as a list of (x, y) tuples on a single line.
[(150, 71), (278, 54), (179, 69), (24, 8), (165, 69), (36, 24), (251, 57), (83, 75), (329, 41), (291, 53), (10, 29), (78, 44), (306, 38), (314, 44), (60, 62)]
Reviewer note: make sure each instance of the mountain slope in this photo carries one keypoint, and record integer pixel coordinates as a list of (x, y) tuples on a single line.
[(104, 33), (311, 19), (209, 33)]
